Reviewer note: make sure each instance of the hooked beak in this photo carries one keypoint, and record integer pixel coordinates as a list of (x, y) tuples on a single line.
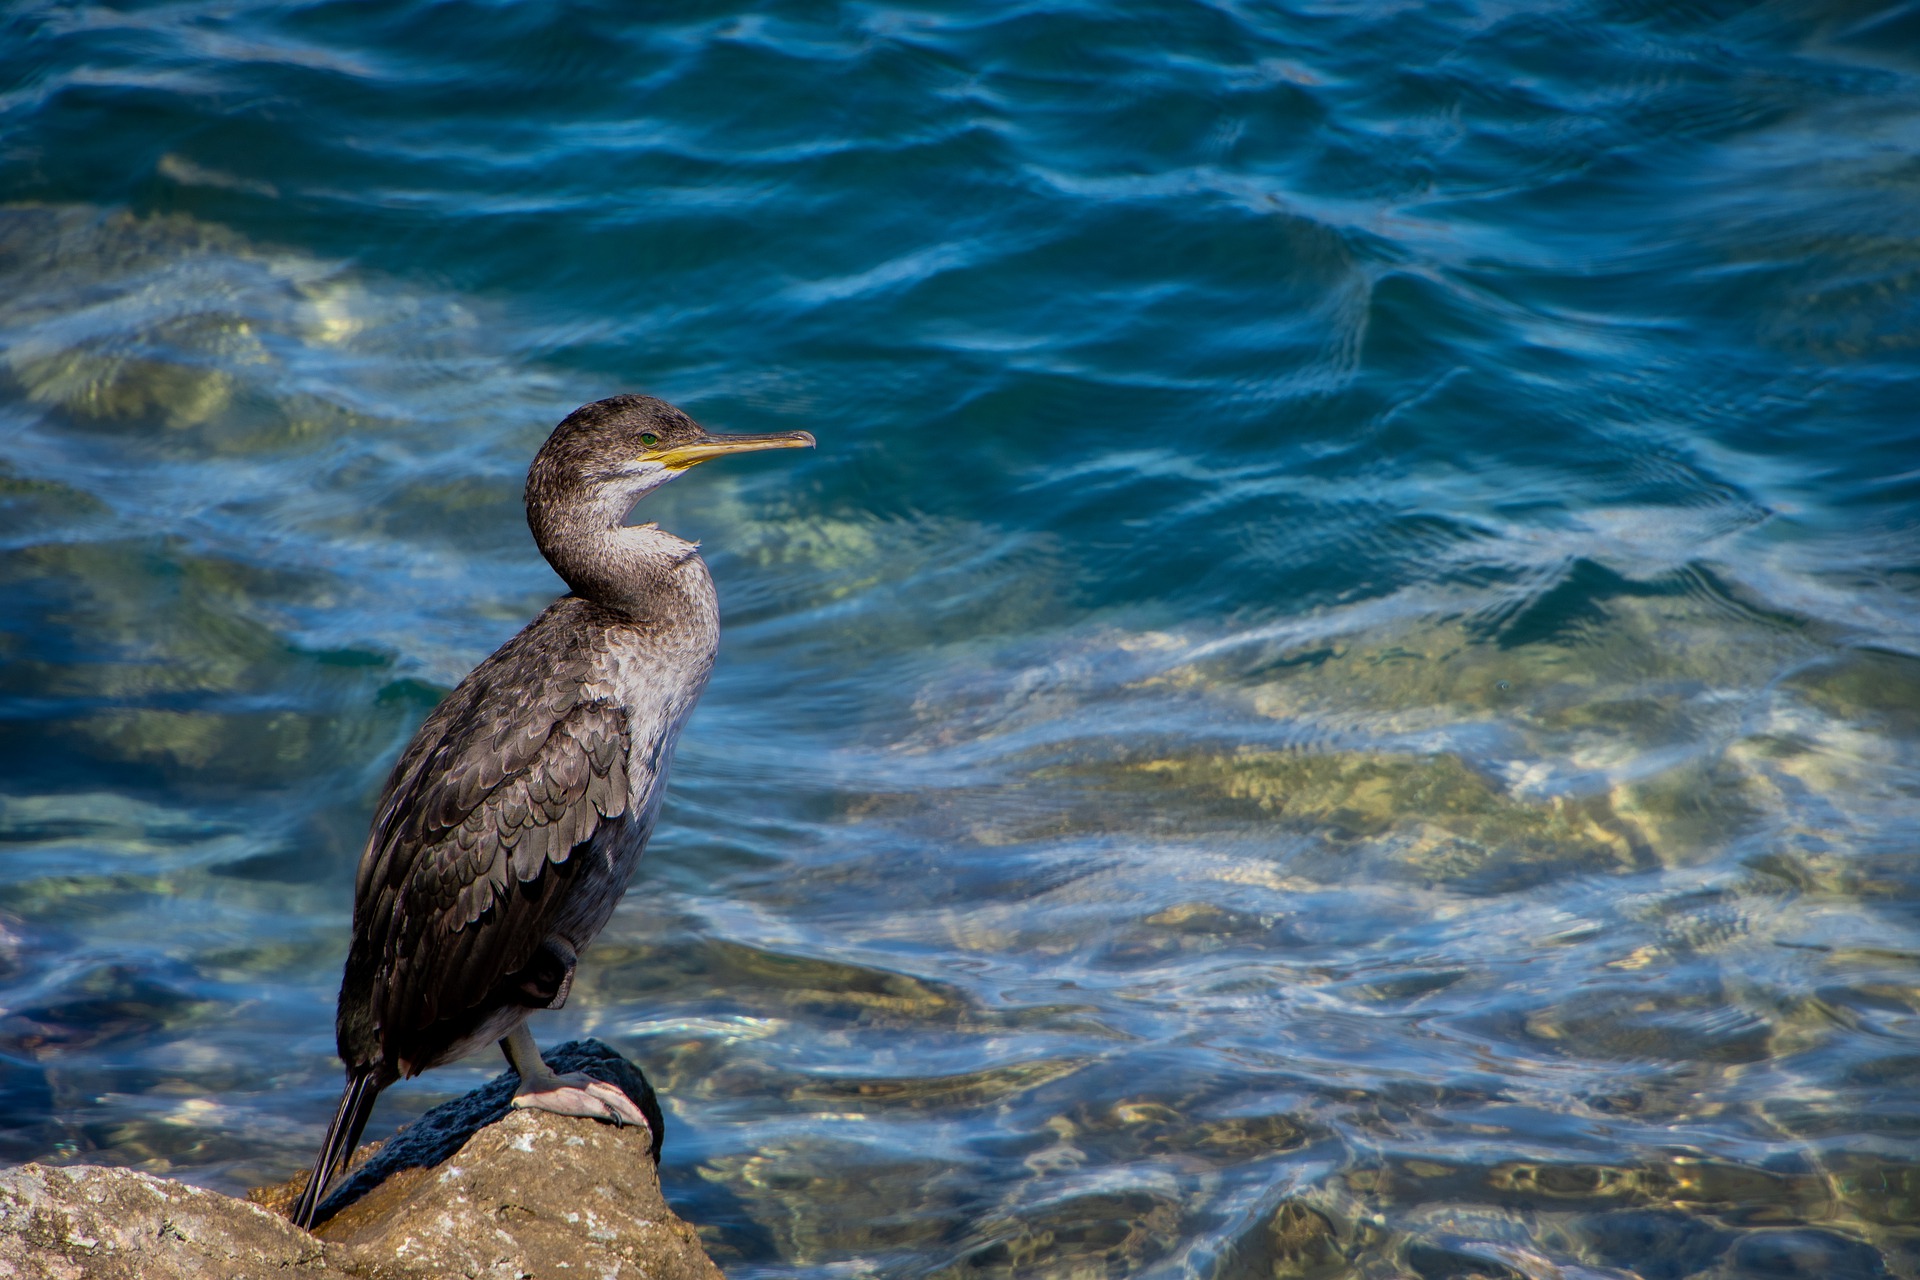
[(680, 457)]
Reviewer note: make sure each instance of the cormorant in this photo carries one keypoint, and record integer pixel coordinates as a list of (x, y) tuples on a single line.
[(509, 827)]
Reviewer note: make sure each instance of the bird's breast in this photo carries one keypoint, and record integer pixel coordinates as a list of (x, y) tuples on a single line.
[(655, 672)]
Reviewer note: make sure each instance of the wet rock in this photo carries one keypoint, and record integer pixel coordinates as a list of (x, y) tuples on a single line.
[(1103, 1234), (1807, 1253), (1659, 1244), (1294, 1242), (472, 1189)]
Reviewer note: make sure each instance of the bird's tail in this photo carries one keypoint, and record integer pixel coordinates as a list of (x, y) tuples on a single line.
[(349, 1121)]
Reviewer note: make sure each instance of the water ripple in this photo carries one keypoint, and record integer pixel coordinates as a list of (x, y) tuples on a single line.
[(1339, 698)]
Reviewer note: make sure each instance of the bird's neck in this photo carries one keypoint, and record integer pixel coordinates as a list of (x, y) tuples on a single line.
[(639, 570)]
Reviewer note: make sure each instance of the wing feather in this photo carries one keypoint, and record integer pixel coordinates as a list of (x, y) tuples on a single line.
[(530, 855), (467, 864)]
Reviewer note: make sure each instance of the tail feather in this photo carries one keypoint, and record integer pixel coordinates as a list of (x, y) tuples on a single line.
[(343, 1135)]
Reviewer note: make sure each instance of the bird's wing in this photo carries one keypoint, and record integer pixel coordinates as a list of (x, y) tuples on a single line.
[(470, 847)]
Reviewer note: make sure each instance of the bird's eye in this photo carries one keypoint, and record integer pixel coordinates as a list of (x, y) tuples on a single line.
[(649, 439)]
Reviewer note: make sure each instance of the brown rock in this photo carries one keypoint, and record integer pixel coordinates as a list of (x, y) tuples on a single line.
[(118, 1224), (428, 1142), (472, 1189), (534, 1195)]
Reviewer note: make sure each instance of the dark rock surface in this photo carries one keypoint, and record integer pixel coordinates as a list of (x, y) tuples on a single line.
[(481, 1191)]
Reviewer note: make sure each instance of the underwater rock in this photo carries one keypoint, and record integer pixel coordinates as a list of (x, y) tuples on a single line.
[(1294, 1241), (473, 1188)]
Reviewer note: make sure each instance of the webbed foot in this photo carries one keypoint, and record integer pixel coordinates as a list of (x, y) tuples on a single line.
[(578, 1094)]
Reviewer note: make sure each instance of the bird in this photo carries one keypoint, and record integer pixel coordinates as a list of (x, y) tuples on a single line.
[(509, 827)]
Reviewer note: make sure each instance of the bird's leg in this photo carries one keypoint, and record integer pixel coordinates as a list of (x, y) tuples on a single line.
[(573, 1094)]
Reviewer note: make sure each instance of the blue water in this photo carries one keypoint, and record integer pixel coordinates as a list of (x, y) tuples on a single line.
[(1340, 697)]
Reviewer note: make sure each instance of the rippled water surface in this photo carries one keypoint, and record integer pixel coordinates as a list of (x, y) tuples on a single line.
[(1340, 698)]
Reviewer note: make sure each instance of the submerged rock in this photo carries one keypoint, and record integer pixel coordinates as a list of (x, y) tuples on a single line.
[(471, 1189)]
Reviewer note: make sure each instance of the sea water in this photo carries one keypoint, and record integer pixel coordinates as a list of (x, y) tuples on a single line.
[(1341, 695)]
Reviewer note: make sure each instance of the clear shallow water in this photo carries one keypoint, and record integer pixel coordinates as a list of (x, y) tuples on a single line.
[(1342, 695)]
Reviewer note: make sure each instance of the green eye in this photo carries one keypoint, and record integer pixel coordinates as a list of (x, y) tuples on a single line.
[(649, 439)]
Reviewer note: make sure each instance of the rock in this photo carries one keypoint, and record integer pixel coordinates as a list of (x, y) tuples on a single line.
[(533, 1195), (119, 1224), (471, 1189), (428, 1141)]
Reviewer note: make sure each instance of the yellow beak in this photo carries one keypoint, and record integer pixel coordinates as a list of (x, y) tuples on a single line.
[(682, 456)]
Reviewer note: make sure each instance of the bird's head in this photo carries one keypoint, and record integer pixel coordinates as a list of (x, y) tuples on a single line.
[(606, 456)]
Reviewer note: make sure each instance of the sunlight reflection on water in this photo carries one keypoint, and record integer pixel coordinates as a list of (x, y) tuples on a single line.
[(1340, 697)]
